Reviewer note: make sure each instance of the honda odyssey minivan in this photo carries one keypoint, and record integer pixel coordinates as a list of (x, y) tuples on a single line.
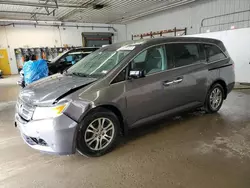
[(119, 87)]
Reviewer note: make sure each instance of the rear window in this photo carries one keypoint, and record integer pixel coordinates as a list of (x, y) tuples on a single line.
[(213, 53)]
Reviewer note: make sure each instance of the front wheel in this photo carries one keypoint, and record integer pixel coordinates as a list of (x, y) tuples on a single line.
[(214, 99), (98, 133)]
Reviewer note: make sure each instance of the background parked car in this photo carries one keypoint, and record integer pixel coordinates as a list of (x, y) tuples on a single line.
[(68, 58)]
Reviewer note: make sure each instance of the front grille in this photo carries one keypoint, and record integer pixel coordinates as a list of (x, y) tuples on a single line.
[(34, 140), (24, 110)]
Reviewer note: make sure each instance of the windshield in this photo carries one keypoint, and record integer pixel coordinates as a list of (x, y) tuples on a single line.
[(58, 57), (99, 63)]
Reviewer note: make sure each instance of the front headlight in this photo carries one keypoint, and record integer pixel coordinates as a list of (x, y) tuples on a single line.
[(48, 112)]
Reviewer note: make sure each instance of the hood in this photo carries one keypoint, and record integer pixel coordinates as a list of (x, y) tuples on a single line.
[(48, 90)]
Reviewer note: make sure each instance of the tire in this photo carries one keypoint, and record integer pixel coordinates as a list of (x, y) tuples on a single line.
[(93, 141), (50, 73), (215, 93)]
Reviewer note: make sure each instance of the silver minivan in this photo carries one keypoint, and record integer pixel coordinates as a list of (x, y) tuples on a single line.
[(119, 87)]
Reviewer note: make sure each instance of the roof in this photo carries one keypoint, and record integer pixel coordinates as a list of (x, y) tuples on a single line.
[(84, 11), (149, 42), (178, 39), (84, 49)]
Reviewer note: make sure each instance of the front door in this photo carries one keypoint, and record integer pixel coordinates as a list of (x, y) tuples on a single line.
[(4, 62), (145, 95)]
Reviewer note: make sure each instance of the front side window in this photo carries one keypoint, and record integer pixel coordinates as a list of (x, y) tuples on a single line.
[(151, 60), (99, 63), (186, 54), (70, 57), (141, 57), (213, 53)]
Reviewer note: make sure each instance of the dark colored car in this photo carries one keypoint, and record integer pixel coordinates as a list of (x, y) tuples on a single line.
[(63, 61), (68, 58), (120, 87)]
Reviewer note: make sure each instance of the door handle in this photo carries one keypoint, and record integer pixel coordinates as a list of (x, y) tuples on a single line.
[(178, 80), (168, 83)]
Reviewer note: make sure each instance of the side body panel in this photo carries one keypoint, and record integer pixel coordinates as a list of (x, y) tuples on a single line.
[(222, 71), (144, 97), (190, 90), (84, 100), (228, 75)]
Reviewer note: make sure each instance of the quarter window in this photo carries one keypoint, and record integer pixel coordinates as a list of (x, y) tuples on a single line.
[(213, 53), (186, 54), (120, 77), (151, 60)]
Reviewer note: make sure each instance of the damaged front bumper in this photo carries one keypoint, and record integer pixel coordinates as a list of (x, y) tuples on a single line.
[(56, 135)]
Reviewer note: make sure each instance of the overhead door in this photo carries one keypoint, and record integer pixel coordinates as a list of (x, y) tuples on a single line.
[(96, 39)]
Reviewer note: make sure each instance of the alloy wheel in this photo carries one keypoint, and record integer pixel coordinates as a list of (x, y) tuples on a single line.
[(99, 134), (215, 98)]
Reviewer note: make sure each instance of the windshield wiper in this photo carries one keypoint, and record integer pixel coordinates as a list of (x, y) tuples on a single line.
[(79, 74), (65, 72)]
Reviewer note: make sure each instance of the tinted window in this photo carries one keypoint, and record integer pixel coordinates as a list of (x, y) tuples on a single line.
[(169, 57), (151, 60), (186, 54), (202, 53), (213, 53), (73, 57)]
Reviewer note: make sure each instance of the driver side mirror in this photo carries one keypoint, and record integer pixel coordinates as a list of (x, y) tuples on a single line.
[(135, 74)]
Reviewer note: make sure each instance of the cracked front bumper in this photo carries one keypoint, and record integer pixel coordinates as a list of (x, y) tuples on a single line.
[(55, 135)]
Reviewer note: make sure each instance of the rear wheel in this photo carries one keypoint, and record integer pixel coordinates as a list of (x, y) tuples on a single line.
[(98, 133), (214, 99)]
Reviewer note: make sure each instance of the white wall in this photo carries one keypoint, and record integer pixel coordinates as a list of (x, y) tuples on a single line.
[(237, 43), (191, 15), (40, 36)]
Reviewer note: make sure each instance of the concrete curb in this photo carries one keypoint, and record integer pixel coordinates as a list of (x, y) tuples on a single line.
[(239, 86), (242, 88)]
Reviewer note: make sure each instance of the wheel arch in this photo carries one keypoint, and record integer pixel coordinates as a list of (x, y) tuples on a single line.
[(118, 113), (113, 108), (223, 84)]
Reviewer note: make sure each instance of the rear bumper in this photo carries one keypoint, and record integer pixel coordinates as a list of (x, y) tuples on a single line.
[(55, 135), (230, 87)]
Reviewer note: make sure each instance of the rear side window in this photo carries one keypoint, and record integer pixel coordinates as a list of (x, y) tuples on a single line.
[(213, 53), (186, 54)]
